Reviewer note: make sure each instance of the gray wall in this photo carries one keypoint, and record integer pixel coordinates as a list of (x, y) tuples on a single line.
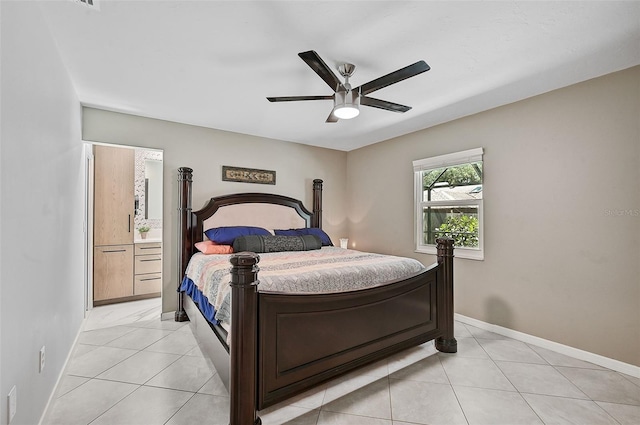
[(562, 212), (41, 213), (206, 151)]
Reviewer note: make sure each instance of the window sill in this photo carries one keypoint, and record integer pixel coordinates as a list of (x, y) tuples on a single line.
[(469, 254)]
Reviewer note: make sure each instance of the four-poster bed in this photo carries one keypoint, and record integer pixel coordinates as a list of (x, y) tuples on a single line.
[(281, 344)]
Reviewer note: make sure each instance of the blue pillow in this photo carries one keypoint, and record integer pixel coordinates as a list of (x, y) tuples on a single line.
[(226, 235), (326, 240)]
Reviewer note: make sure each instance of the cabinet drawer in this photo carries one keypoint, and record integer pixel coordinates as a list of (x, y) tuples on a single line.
[(148, 264), (147, 283), (148, 248)]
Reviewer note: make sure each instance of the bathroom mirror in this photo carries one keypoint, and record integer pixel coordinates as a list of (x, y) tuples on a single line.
[(153, 189)]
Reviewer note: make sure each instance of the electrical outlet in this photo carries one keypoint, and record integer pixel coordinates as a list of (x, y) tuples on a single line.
[(42, 359), (12, 403)]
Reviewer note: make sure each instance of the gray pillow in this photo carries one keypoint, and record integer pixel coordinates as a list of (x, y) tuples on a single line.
[(262, 243)]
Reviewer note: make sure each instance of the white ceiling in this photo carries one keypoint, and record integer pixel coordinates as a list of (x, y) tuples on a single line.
[(213, 63)]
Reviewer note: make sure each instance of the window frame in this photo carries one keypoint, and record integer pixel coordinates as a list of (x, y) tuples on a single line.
[(441, 161)]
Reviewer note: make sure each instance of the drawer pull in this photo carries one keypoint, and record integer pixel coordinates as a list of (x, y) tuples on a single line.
[(153, 259), (150, 278), (117, 250), (149, 247)]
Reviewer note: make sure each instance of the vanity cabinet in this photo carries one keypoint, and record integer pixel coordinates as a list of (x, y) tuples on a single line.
[(112, 272), (148, 268)]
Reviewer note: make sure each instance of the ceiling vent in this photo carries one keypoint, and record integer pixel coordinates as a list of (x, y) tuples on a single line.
[(91, 4)]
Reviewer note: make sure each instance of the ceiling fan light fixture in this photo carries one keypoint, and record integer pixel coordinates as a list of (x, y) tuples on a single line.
[(346, 112), (346, 104)]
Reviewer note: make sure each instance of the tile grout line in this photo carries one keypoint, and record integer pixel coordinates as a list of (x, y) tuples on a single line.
[(171, 332), (494, 362), (114, 405), (589, 398), (455, 394)]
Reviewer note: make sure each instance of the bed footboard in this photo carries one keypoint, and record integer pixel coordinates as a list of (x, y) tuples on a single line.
[(283, 344)]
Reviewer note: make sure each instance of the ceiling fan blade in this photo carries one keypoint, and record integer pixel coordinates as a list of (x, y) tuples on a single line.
[(332, 117), (317, 64), (295, 98), (383, 104), (394, 77)]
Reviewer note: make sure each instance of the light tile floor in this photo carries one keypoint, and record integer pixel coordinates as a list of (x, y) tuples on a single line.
[(129, 367)]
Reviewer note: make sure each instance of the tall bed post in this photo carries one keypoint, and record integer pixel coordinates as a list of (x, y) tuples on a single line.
[(316, 220), (243, 384), (447, 342), (184, 229)]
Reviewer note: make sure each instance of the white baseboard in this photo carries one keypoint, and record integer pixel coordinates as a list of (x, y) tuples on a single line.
[(586, 356), (62, 371), (168, 315)]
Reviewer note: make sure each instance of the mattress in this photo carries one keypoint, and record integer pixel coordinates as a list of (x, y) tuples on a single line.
[(330, 269)]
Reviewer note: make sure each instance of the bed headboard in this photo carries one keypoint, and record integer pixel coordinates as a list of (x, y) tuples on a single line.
[(265, 210)]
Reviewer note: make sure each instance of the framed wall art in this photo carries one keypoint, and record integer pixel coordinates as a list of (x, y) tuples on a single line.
[(248, 175)]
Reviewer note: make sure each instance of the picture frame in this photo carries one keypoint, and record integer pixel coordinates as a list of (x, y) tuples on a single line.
[(248, 175)]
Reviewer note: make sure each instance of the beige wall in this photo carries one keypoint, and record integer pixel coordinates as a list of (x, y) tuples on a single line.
[(561, 203), (206, 151), (562, 212)]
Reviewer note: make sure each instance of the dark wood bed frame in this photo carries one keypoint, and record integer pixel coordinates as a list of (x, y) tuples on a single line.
[(283, 344)]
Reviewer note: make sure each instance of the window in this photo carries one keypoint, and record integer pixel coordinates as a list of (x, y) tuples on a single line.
[(448, 194)]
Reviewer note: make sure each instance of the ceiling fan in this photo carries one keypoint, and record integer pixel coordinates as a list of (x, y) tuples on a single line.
[(347, 100)]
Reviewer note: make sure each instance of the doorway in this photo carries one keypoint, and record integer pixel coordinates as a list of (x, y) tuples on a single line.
[(124, 224)]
